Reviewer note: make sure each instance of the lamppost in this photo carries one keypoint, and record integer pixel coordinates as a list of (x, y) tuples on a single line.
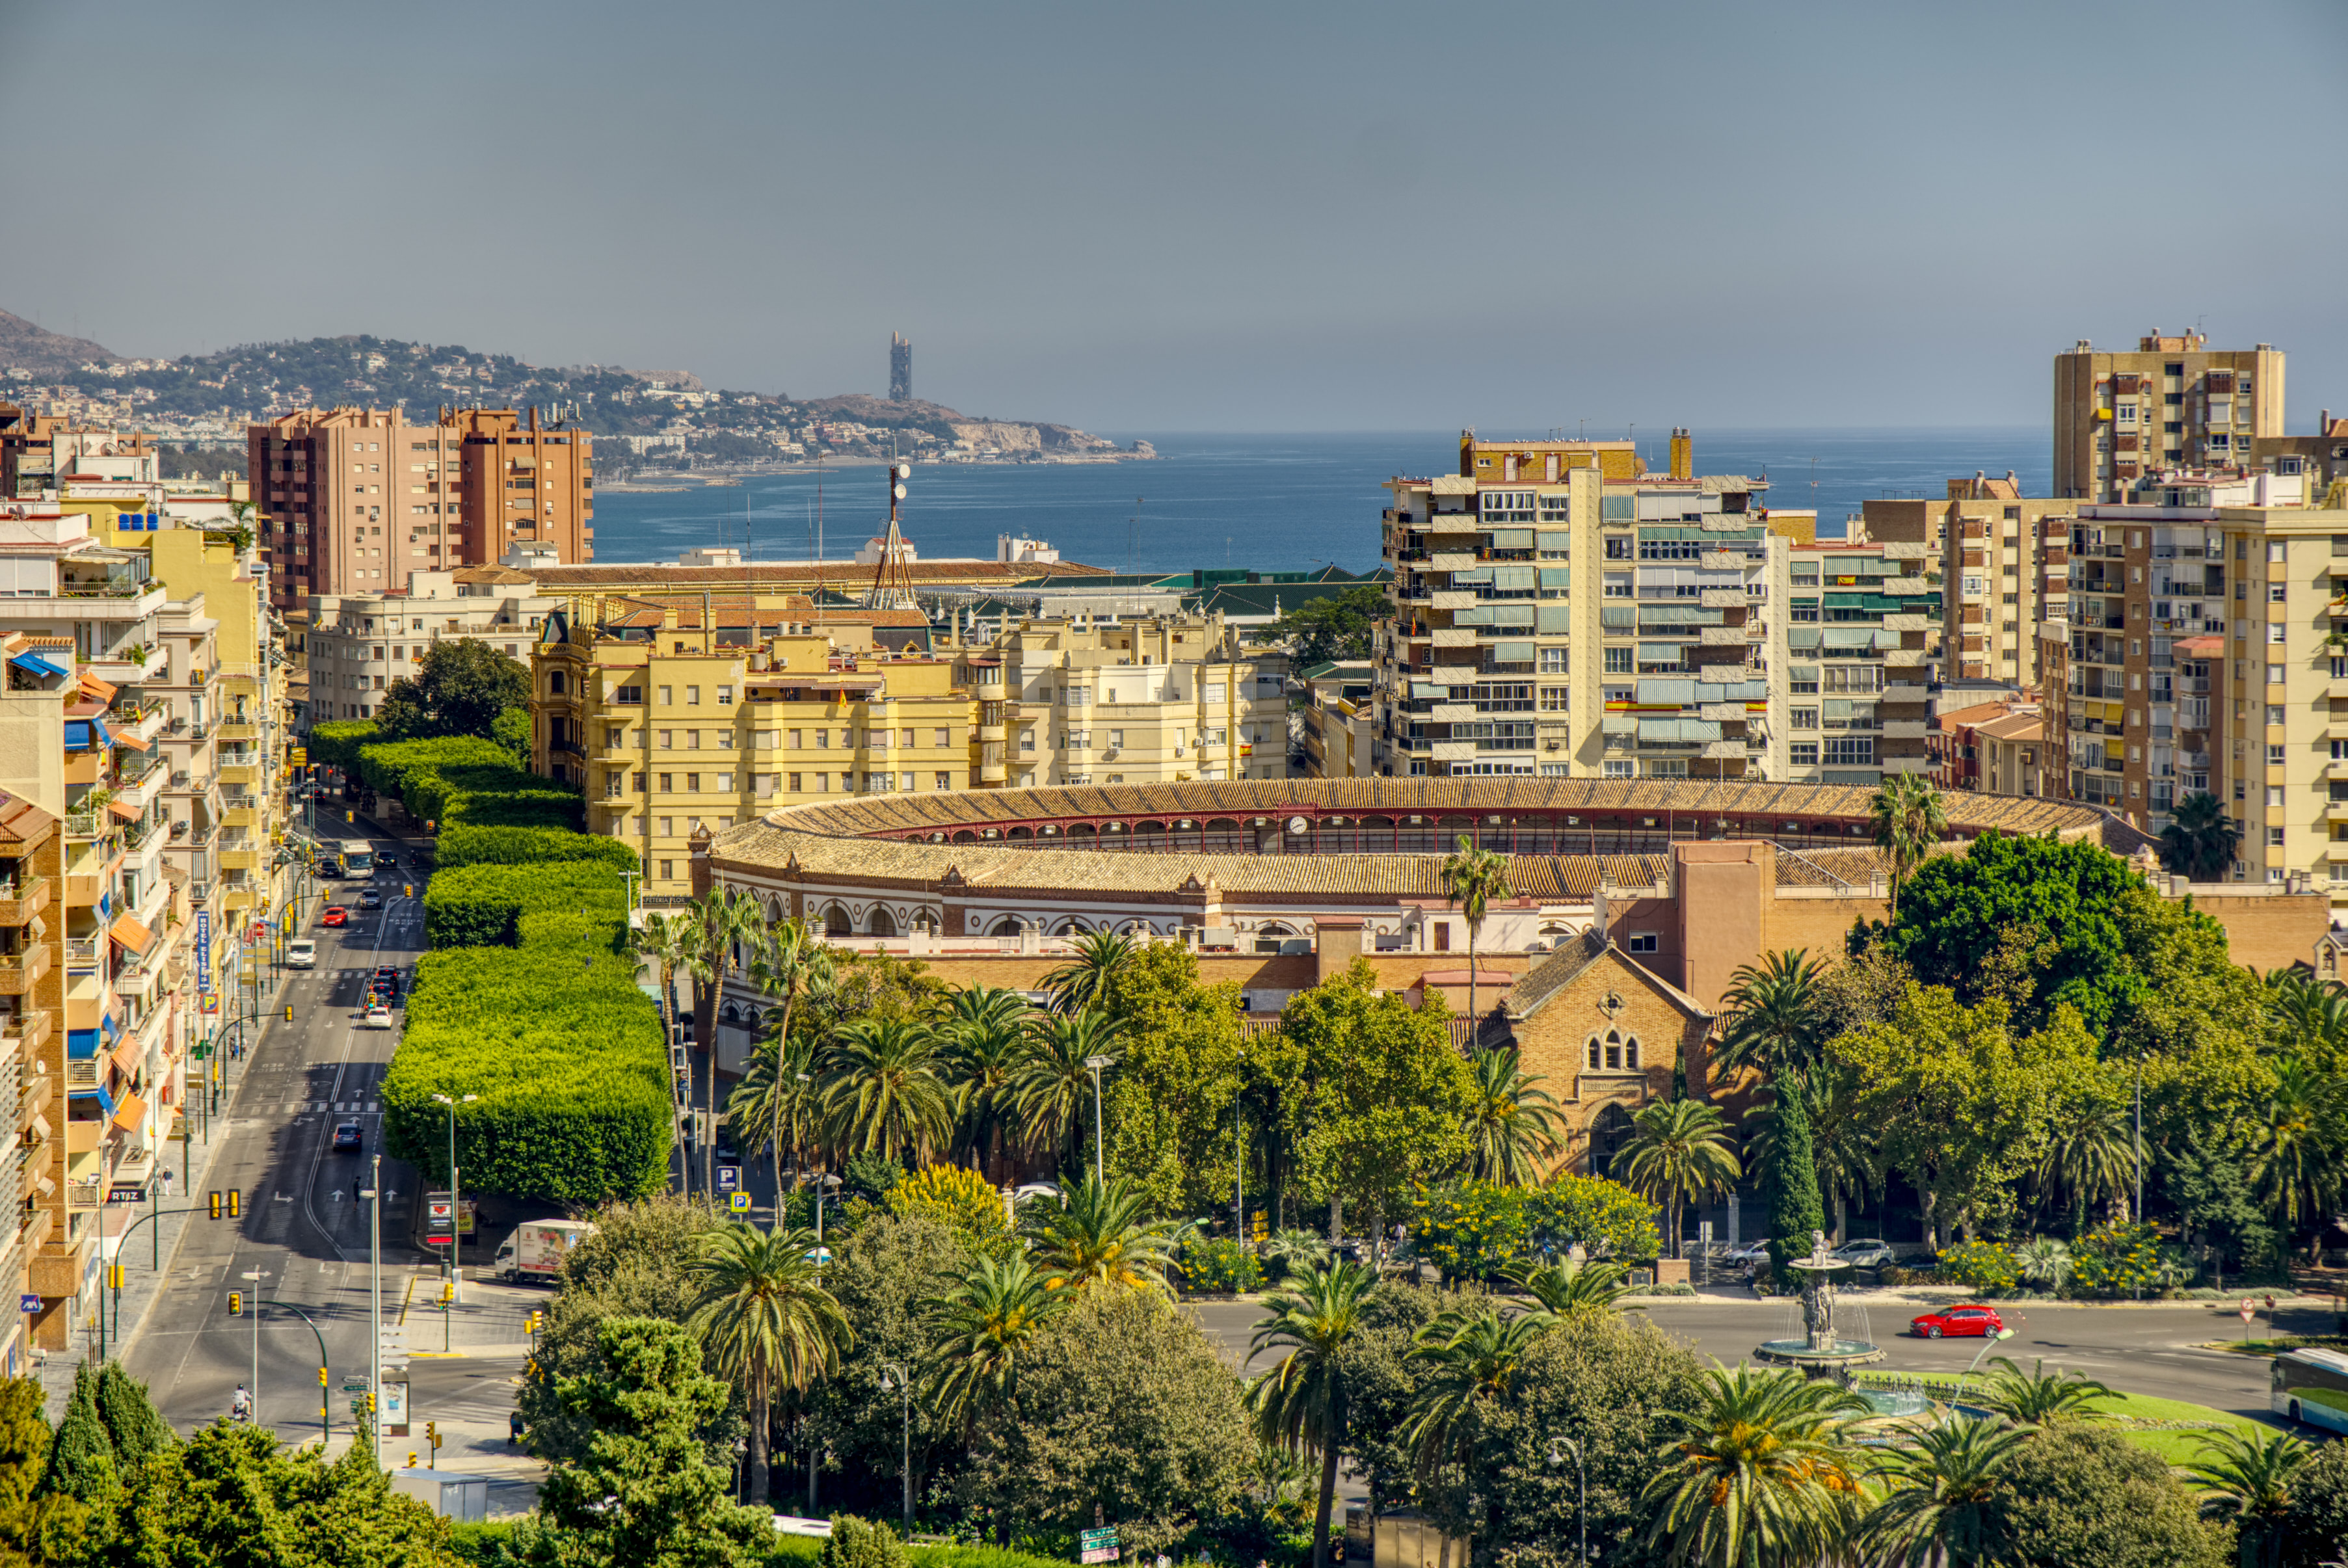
[(1096, 1063), (1580, 1487), (374, 1309), (2001, 1336), (455, 1209), (895, 1378), (256, 1276)]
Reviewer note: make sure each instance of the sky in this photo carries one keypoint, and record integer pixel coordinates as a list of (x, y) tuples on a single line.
[(1211, 216)]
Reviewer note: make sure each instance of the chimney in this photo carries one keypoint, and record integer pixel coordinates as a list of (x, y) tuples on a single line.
[(1682, 455), (1981, 483), (2009, 479), (2324, 428)]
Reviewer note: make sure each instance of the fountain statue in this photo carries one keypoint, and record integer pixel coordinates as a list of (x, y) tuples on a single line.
[(1820, 1349)]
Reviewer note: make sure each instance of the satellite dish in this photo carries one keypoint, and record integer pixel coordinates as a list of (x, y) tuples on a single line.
[(898, 490), (904, 471)]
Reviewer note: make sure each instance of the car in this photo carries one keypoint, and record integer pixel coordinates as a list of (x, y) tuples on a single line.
[(327, 868), (346, 1138), (1749, 1253), (300, 954), (1866, 1252), (369, 898), (336, 915), (1956, 1322), (377, 1017), (385, 984)]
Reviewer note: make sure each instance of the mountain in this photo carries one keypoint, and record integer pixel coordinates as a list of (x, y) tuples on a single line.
[(24, 346)]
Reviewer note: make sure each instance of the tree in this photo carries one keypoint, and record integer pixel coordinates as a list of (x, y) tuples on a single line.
[(1470, 878), (2317, 1525), (460, 689), (2038, 1398), (510, 729), (1052, 1087), (1300, 1403), (646, 1493), (1189, 1081), (984, 1028), (671, 944), (1564, 1289), (2210, 1186), (1469, 1360), (1099, 1234), (1792, 1179), (731, 927), (1942, 1487), (2077, 1494), (2200, 840), (860, 1543), (1331, 626), (791, 962), (2091, 1157), (767, 1321), (82, 1463), (2246, 1475), (1773, 1017), (1843, 1148), (777, 1103), (985, 1323), (229, 1495), (34, 1528), (1759, 1472), (1678, 1151), (1511, 1122), (1089, 981), (2297, 1143), (885, 1090), (1909, 819)]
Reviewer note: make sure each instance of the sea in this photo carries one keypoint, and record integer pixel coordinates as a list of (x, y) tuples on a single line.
[(1263, 503)]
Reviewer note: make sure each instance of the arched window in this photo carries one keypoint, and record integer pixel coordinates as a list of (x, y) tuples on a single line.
[(752, 1021), (1008, 926), (1630, 1053), (729, 1013), (879, 923), (837, 924), (1595, 1057), (554, 683)]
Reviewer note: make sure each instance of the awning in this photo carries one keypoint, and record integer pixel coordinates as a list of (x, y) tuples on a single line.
[(1677, 693), (131, 1112), (127, 1053), (81, 1044), (41, 1126), (1849, 636), (1662, 654), (102, 690), (97, 1092), (1618, 724), (134, 740), (1512, 653), (37, 663), (130, 931), (123, 810), (110, 1025)]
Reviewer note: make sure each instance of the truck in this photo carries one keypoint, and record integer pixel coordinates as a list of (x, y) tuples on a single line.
[(536, 1249)]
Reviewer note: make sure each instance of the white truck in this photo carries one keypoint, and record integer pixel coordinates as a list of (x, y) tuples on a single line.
[(536, 1249)]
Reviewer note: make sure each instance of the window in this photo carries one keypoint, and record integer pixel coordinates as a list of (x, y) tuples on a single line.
[(2274, 838), (945, 737), (1214, 694), (693, 696), (1855, 752), (1641, 942), (2274, 675), (668, 870), (725, 696), (1619, 548), (1619, 662), (1615, 768), (1553, 662), (907, 739), (1803, 753), (666, 697), (2274, 713), (2274, 794), (639, 783), (1553, 698), (693, 783), (668, 786), (2275, 594), (693, 740), (1615, 586), (667, 740), (2274, 756), (1116, 738), (943, 780)]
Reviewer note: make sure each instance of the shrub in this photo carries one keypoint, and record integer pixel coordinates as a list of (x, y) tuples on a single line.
[(1216, 1266), (483, 905), (464, 780), (857, 1544), (1606, 1218), (2121, 1260), (337, 743), (960, 1199), (469, 844), (1473, 1229), (1983, 1266)]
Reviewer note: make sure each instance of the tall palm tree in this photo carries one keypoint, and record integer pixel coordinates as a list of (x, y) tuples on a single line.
[(1774, 1015), (2038, 1397), (2090, 1158), (885, 1089), (1472, 879), (1844, 1145), (2307, 1011), (1089, 980), (1943, 1488), (1909, 819), (2247, 1473), (2296, 1140), (1301, 1404), (776, 1104), (985, 1031), (1052, 1085), (761, 1309), (1466, 1359), (671, 944), (2200, 840), (1678, 1150), (1564, 1289), (1511, 1123), (1099, 1234), (1759, 1473), (983, 1326), (792, 961), (731, 926)]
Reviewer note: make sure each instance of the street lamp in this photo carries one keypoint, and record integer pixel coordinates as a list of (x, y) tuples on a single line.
[(256, 1276), (895, 1378), (1998, 1338), (455, 1209), (1096, 1063), (1580, 1487)]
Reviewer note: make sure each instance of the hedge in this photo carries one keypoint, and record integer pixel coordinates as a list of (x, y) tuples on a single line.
[(337, 743), (462, 779), (483, 905), (468, 844)]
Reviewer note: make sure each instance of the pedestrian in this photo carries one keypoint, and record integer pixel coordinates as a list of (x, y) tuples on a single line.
[(166, 1183), (357, 1188)]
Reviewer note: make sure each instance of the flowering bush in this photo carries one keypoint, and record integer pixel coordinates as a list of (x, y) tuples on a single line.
[(1607, 1218), (2121, 1260), (956, 1197), (1981, 1266), (1472, 1229), (1220, 1266)]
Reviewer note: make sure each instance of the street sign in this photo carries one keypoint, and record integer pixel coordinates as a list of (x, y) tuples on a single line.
[(738, 1201), (439, 1214), (28, 1302), (729, 1177), (2249, 1309), (1098, 1545), (1105, 1535)]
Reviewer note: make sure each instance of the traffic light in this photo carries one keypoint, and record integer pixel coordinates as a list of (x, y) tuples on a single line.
[(407, 890), (114, 1276), (411, 1459), (236, 1303), (530, 1324), (432, 1433), (214, 1204), (321, 1377), (235, 1203), (370, 1398)]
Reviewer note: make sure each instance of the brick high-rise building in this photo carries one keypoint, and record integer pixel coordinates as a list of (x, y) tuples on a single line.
[(354, 499), (2174, 403)]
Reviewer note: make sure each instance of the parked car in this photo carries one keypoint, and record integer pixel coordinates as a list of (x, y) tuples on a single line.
[(1749, 1253), (336, 915), (1955, 1322), (1866, 1252), (302, 953), (377, 1017), (370, 898), (346, 1138)]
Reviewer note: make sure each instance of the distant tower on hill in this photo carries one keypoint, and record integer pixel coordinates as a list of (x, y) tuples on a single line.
[(900, 369)]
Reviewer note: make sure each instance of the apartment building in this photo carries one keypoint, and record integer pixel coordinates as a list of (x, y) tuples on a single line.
[(1959, 752), (356, 645), (1653, 660), (353, 500), (1999, 559), (1154, 699), (2321, 459), (2175, 402), (1336, 721), (1860, 644), (39, 452), (672, 723)]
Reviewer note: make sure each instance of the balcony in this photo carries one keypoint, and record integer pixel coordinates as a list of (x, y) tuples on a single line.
[(24, 899), (20, 971)]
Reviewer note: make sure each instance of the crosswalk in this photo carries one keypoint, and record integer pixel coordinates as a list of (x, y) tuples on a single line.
[(339, 1108)]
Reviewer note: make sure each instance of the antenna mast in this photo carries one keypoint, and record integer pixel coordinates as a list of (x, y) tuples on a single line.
[(892, 586)]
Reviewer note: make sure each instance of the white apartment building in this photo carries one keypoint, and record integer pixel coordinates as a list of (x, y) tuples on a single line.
[(358, 644)]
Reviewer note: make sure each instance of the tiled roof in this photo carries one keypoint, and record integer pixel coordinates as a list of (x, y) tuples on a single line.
[(836, 573)]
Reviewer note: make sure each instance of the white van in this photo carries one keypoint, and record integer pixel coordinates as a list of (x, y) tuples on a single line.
[(300, 954)]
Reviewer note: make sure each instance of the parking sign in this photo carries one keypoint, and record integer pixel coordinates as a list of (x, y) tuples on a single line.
[(739, 1202), (729, 1178)]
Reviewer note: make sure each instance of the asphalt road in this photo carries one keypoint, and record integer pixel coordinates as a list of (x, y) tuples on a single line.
[(302, 1228)]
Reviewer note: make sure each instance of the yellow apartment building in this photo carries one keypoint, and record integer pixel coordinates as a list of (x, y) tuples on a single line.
[(2175, 402), (2002, 560)]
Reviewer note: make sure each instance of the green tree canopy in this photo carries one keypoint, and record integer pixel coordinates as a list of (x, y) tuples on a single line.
[(1333, 626), (460, 689), (231, 1498)]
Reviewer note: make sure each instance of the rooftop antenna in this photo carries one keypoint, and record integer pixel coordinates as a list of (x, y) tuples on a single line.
[(892, 586), (1132, 534)]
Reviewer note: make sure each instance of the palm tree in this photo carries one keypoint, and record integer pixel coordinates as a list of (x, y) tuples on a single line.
[(672, 944), (2200, 840), (761, 1309), (985, 1032), (1089, 980), (731, 922), (1511, 1124), (1944, 1487), (885, 1090), (1053, 1088), (2247, 1473), (2295, 1141), (2307, 1011), (1909, 819), (1467, 1360), (2090, 1158), (1564, 1289), (1099, 1234), (2038, 1397), (1774, 1019), (1759, 1473), (1301, 1403), (776, 1103), (983, 1325), (1472, 879), (1843, 1143), (1678, 1150), (792, 962)]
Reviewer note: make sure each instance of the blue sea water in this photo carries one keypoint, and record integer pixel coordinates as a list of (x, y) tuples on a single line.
[(1273, 503)]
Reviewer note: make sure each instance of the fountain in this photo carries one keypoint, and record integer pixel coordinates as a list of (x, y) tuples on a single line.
[(1820, 1350)]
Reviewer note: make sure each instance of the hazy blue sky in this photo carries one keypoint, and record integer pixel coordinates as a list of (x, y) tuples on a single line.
[(1207, 216)]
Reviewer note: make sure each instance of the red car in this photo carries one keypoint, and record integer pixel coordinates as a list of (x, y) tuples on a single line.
[(336, 915), (1956, 1321)]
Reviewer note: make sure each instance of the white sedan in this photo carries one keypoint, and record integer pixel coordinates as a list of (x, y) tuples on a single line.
[(377, 1018)]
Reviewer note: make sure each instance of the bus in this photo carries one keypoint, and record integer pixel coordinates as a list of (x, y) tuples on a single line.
[(2311, 1385), (357, 858)]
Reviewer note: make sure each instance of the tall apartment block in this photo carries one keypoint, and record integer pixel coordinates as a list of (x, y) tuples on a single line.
[(2000, 559), (1861, 634), (2173, 403), (1560, 611), (355, 499)]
